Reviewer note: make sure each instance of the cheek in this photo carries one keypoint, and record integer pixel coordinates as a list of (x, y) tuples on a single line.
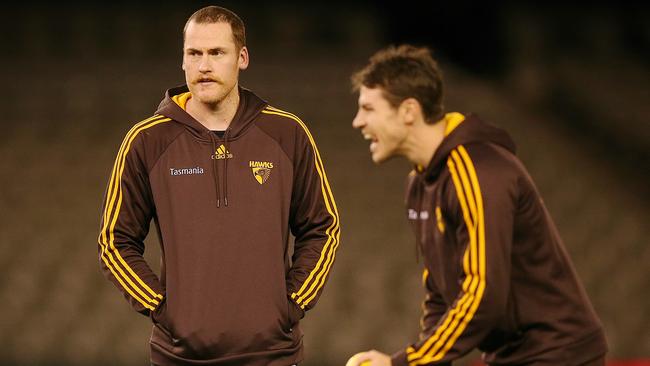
[(392, 134), (228, 70), (385, 126), (188, 62)]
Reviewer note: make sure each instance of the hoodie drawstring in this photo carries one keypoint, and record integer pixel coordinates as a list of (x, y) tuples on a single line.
[(215, 170), (225, 168)]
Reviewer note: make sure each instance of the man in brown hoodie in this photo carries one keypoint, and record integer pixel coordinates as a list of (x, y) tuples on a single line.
[(497, 276), (226, 178)]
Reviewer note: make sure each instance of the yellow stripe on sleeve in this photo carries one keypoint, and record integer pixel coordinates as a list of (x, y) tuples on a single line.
[(112, 186), (106, 240), (425, 274), (465, 181), (481, 253), (458, 310), (316, 278)]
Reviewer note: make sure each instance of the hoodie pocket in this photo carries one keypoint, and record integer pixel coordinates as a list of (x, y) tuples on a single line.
[(294, 314), (158, 316), (162, 333)]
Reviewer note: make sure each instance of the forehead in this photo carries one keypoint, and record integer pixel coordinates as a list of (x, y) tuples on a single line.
[(208, 35), (373, 96)]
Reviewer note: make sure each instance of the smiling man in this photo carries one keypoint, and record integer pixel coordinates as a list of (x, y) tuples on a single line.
[(227, 179), (496, 274)]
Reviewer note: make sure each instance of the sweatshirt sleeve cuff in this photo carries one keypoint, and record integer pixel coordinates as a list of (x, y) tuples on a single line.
[(399, 359), (295, 312)]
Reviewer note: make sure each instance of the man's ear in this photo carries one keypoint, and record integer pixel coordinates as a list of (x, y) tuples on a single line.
[(410, 110), (243, 58)]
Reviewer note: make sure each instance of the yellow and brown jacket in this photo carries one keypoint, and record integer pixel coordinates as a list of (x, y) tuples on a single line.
[(497, 275), (229, 292)]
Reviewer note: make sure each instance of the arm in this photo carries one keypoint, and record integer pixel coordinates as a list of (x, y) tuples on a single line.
[(314, 222), (485, 206), (126, 214), (433, 307)]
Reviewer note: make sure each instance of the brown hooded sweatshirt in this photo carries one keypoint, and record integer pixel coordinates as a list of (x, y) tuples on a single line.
[(497, 275), (229, 293)]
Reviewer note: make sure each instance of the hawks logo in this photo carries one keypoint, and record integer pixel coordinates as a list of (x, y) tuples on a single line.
[(261, 170)]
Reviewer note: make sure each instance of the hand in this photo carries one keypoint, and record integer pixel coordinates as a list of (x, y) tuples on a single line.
[(370, 358)]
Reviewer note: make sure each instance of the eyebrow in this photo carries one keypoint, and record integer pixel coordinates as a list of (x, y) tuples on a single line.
[(211, 50)]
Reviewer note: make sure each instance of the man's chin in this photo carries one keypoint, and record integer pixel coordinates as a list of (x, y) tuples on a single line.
[(205, 98), (378, 158)]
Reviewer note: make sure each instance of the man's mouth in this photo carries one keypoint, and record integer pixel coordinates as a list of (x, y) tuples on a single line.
[(373, 141), (205, 81)]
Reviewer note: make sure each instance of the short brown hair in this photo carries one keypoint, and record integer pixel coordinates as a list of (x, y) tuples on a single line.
[(405, 72), (216, 14)]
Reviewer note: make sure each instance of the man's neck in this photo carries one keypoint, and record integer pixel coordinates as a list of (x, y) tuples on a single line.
[(215, 117), (423, 142)]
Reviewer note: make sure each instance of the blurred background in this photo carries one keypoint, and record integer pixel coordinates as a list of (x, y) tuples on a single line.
[(569, 82)]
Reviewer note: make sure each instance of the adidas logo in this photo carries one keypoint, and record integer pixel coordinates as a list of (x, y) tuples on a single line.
[(221, 153)]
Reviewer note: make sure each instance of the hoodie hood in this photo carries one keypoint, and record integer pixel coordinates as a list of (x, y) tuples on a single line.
[(472, 130), (249, 107)]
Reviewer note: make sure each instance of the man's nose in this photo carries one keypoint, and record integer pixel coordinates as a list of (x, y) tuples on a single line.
[(357, 122), (204, 64)]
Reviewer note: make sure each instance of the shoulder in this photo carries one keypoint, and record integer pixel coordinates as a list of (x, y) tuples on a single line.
[(156, 126), (279, 120), (155, 130), (485, 160), (288, 129), (148, 138), (482, 170)]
